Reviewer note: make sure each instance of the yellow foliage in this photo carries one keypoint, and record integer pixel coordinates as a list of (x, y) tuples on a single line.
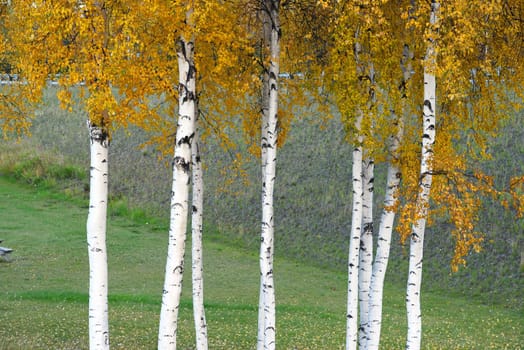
[(16, 96), (121, 58), (479, 49), (84, 46)]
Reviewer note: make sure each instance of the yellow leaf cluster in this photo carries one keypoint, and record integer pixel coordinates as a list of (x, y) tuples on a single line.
[(16, 96), (477, 59), (119, 60)]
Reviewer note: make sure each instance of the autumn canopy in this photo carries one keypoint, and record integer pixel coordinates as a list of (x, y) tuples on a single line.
[(419, 86)]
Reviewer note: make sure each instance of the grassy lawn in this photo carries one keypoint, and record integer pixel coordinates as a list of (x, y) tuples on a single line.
[(43, 290)]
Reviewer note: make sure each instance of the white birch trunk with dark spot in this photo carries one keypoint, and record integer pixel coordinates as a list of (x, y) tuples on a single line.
[(352, 326), (264, 103), (179, 198), (260, 327), (387, 218), (267, 234), (96, 239), (197, 244), (354, 243), (366, 248), (380, 264), (416, 247)]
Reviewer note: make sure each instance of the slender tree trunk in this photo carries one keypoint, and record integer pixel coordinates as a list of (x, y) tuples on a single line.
[(179, 198), (96, 239), (355, 282), (354, 244), (267, 234), (416, 248), (366, 238), (264, 114), (388, 213), (366, 248), (383, 245), (197, 244), (261, 303)]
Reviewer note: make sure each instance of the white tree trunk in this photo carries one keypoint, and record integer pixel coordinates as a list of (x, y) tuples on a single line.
[(354, 244), (414, 336), (96, 239), (388, 213), (179, 198), (264, 102), (383, 245), (366, 249), (354, 281), (197, 245), (261, 303), (267, 234)]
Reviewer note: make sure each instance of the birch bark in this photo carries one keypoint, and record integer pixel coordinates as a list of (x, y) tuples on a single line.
[(179, 197), (197, 244), (388, 213), (416, 248), (264, 103), (352, 327), (96, 239), (261, 302), (366, 248), (267, 234), (383, 245), (366, 238), (354, 244)]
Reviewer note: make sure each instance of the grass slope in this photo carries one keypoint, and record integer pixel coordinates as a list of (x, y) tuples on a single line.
[(43, 290), (312, 196)]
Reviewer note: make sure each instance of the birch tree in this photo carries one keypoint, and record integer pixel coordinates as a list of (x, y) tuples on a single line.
[(376, 289), (96, 238), (271, 7), (387, 218), (414, 335), (366, 249), (354, 243), (264, 115), (378, 22), (295, 55), (196, 242), (469, 104), (354, 113), (361, 236), (353, 44), (185, 133), (218, 59), (366, 238), (81, 43), (396, 34)]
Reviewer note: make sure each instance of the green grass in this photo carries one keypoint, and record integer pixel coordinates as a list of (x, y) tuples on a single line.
[(312, 196), (43, 290)]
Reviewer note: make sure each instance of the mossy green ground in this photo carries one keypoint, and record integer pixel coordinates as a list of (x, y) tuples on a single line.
[(43, 290)]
